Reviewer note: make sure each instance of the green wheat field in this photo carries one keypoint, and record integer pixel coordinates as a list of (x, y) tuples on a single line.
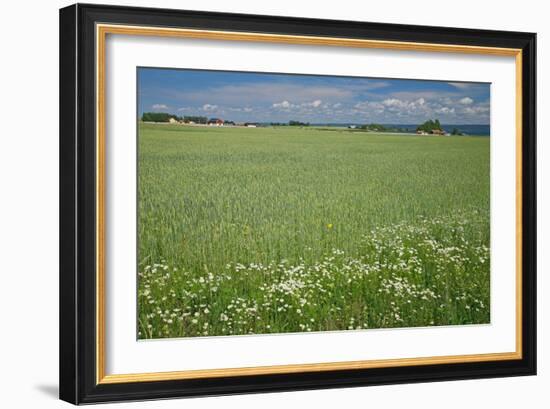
[(289, 229)]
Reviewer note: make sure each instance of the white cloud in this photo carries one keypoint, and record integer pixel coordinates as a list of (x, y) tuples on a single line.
[(466, 101), (393, 102), (364, 106), (304, 106), (284, 104), (370, 85), (209, 107), (461, 85), (477, 110), (237, 109), (397, 104), (426, 95), (159, 106), (445, 111), (417, 109), (264, 93)]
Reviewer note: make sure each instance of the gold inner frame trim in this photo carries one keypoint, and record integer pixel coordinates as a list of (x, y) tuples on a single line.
[(101, 33)]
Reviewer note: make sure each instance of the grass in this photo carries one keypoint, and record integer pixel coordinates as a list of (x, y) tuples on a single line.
[(271, 230)]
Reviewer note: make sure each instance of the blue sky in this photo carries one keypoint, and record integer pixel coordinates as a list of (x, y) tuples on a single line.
[(241, 96)]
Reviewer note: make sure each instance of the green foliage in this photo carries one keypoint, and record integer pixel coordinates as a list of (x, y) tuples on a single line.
[(298, 123), (456, 132), (286, 229), (158, 117), (429, 126), (195, 119), (374, 127)]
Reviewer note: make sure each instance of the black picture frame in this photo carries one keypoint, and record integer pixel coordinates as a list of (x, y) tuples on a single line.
[(78, 360)]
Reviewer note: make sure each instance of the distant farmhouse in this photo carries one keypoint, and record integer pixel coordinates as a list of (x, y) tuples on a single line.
[(431, 127), (166, 118), (215, 122), (251, 124), (431, 132)]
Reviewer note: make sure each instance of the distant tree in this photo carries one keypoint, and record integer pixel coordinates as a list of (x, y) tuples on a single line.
[(158, 117), (375, 127), (456, 132), (429, 126), (298, 123), (195, 119)]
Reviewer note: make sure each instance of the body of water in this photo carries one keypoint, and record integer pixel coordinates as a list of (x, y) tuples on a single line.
[(466, 129)]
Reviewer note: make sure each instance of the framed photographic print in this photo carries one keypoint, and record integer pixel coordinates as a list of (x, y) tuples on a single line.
[(257, 203)]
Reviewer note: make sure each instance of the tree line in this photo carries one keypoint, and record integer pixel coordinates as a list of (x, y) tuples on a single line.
[(165, 117)]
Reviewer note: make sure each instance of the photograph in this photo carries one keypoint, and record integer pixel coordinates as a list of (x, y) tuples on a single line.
[(272, 203)]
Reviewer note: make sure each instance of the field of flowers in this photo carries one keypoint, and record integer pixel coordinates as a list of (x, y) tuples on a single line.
[(270, 230)]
